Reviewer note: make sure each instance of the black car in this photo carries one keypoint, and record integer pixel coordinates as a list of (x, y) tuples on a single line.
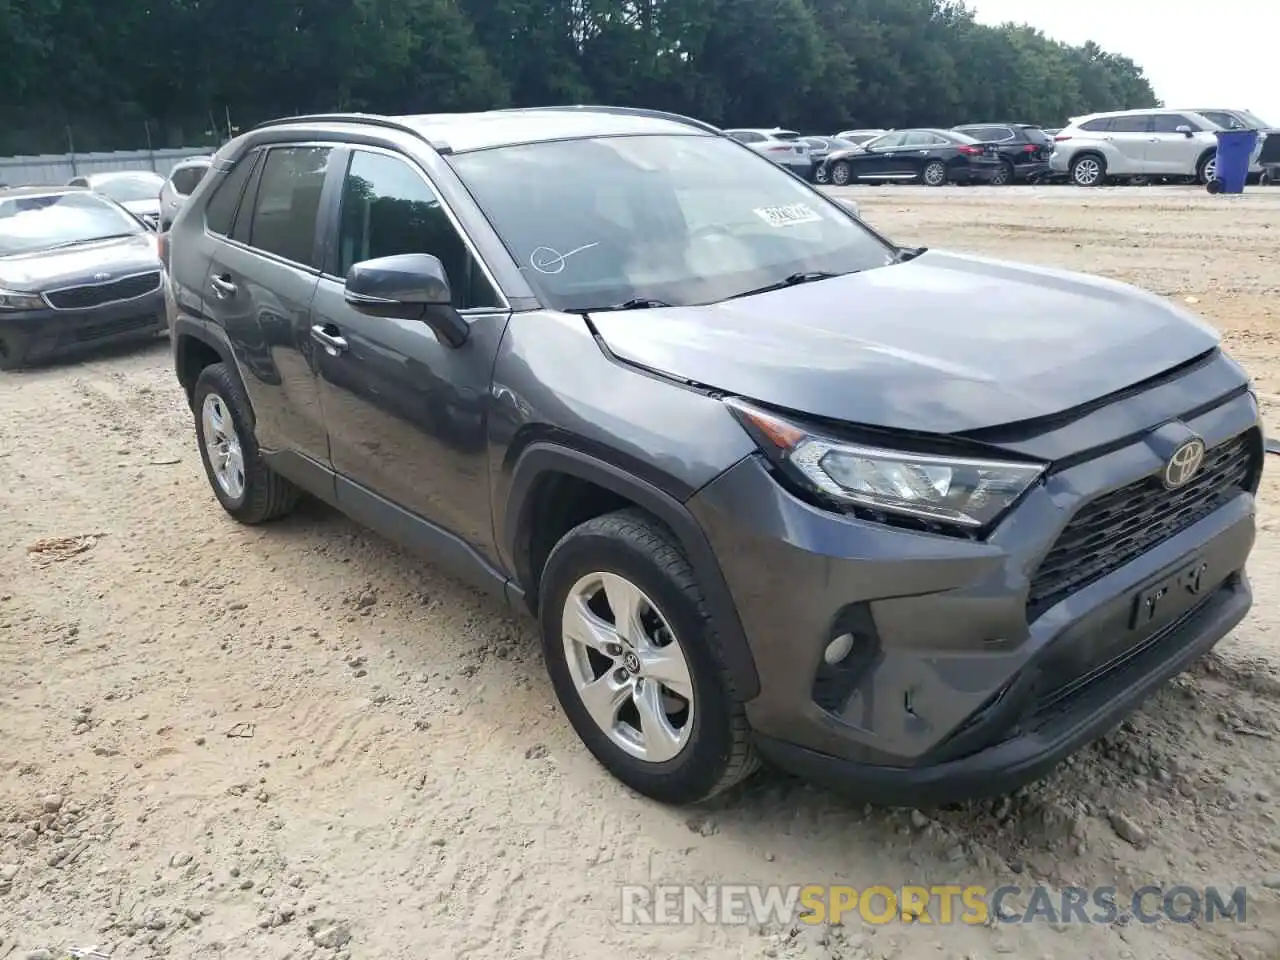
[(822, 147), (793, 510), (928, 156), (1024, 147), (76, 269)]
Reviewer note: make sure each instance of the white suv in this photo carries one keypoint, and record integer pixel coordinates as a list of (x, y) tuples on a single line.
[(1135, 143)]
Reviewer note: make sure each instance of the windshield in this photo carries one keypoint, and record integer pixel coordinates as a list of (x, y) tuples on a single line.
[(126, 189), (679, 219), (28, 224)]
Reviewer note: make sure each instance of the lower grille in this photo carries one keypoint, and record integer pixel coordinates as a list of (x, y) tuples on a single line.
[(99, 331), (1119, 526), (100, 294)]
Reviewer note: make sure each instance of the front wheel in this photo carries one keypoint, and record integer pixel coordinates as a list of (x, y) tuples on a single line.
[(841, 174), (820, 174), (633, 657), (934, 174), (1207, 171)]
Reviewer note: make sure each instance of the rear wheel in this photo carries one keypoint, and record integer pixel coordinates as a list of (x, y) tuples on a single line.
[(934, 174), (820, 174), (1004, 176), (631, 651), (1089, 170), (841, 173), (245, 486)]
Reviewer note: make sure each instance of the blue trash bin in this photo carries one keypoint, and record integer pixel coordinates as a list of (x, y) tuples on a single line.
[(1231, 166)]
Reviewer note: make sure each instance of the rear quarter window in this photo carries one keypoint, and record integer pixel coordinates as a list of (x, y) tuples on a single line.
[(220, 211), (1101, 125)]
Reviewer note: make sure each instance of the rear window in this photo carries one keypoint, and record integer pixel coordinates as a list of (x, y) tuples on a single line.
[(1035, 134), (186, 179), (785, 135)]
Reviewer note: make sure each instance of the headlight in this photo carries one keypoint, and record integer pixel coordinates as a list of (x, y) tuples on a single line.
[(11, 300), (970, 493)]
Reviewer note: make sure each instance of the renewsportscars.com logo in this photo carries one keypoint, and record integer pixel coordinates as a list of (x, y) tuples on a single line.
[(675, 904)]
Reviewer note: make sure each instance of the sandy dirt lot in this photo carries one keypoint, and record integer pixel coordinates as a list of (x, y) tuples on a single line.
[(298, 741)]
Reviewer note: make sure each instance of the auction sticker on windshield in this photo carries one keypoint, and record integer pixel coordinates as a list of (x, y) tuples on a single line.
[(787, 216)]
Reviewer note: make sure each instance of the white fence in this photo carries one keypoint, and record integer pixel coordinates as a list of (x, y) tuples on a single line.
[(55, 168)]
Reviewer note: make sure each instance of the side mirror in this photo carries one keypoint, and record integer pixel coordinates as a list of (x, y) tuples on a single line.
[(410, 286), (1184, 130)]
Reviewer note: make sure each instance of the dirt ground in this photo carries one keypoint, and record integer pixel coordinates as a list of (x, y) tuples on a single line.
[(298, 741)]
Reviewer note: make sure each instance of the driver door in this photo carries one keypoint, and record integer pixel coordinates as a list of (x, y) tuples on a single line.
[(878, 157)]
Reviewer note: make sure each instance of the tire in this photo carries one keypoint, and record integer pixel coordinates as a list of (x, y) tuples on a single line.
[(1005, 176), (261, 494), (1088, 170), (1206, 169), (13, 351), (637, 556), (841, 174), (934, 174), (820, 175)]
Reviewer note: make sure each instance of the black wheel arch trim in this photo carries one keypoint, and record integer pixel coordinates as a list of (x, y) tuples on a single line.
[(186, 328), (541, 458)]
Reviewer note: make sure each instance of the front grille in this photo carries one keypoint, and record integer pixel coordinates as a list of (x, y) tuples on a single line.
[(99, 294), (116, 328), (1110, 531)]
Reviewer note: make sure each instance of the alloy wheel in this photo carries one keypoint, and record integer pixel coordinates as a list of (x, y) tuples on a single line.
[(222, 443), (1086, 171), (840, 174), (935, 174), (628, 667)]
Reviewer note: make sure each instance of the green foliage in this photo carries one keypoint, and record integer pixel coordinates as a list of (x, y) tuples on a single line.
[(115, 72)]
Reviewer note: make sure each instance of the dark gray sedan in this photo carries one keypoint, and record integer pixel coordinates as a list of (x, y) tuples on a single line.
[(76, 269)]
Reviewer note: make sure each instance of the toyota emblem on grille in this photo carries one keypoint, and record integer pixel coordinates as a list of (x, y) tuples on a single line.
[(1184, 464), (102, 276)]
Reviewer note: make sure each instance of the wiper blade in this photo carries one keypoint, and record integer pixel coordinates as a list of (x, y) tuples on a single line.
[(76, 243), (635, 303), (794, 280)]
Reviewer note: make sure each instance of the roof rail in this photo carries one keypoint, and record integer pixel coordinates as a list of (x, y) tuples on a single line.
[(369, 119), (623, 111)]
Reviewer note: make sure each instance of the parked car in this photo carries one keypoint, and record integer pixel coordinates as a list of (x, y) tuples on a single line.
[(1234, 119), (182, 180), (1024, 148), (860, 136), (797, 511), (932, 157), (76, 269), (138, 191), (1136, 143), (783, 147), (820, 148)]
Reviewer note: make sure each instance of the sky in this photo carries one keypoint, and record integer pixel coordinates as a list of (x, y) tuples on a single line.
[(1223, 54)]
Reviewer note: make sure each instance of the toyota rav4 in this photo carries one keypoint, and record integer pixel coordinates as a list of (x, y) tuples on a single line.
[(909, 522)]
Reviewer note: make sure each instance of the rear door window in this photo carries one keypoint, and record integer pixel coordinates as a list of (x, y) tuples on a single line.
[(287, 205)]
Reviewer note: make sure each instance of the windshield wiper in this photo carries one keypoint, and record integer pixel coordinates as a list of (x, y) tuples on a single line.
[(792, 281), (76, 243), (635, 303)]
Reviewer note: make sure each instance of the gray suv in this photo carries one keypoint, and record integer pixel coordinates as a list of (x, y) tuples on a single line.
[(765, 495)]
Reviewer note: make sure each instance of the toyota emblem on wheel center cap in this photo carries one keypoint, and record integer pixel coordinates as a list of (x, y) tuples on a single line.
[(1184, 464)]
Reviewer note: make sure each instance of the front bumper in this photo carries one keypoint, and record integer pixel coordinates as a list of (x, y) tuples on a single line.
[(1031, 171), (955, 688), (30, 336)]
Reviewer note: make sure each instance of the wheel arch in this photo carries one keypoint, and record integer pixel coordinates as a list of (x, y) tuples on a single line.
[(196, 346), (543, 463)]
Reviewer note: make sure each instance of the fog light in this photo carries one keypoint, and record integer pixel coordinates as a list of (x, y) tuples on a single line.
[(838, 649)]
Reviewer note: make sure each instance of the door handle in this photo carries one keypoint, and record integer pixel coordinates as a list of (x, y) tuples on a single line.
[(332, 343), (222, 287)]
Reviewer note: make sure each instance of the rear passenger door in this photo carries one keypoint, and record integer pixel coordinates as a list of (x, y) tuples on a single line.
[(1130, 138), (406, 413), (261, 281)]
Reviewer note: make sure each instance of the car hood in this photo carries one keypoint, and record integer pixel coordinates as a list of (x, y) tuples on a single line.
[(48, 269), (142, 206), (943, 343)]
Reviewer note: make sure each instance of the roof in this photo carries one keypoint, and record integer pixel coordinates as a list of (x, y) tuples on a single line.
[(461, 132)]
